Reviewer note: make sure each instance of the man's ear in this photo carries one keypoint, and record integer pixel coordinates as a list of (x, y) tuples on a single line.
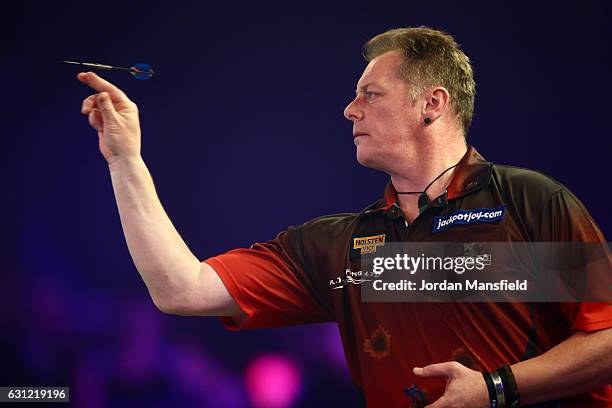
[(437, 100)]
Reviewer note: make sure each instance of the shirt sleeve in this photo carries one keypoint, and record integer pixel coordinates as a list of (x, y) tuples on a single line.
[(272, 283), (565, 219)]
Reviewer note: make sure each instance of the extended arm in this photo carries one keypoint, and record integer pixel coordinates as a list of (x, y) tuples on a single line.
[(177, 281)]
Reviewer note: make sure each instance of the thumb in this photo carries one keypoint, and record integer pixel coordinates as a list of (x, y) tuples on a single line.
[(105, 104), (434, 370)]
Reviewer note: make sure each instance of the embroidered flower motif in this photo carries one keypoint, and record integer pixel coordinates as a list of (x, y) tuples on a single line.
[(379, 345)]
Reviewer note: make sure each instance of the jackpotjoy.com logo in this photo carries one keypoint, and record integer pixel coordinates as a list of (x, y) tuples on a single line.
[(463, 217)]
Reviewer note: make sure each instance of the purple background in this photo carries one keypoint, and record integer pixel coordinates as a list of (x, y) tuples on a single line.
[(244, 135)]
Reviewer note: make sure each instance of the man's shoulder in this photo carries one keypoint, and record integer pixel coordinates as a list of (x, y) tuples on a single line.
[(342, 221), (324, 234), (526, 184), (528, 178), (332, 222)]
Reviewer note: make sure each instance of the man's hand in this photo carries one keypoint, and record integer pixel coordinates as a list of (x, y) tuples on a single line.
[(464, 387), (114, 116)]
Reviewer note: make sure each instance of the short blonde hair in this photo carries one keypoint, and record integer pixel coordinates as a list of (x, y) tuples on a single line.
[(432, 58)]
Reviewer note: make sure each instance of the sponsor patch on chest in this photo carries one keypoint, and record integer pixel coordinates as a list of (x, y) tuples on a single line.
[(367, 244), (464, 217)]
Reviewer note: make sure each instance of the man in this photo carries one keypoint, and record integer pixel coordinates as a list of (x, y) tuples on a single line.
[(410, 117)]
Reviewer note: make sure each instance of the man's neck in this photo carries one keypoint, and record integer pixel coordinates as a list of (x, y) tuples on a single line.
[(417, 176)]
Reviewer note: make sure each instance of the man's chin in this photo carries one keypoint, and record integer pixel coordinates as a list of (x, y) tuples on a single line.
[(368, 160)]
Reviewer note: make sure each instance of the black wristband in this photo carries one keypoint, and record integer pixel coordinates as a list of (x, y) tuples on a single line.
[(491, 389), (510, 389)]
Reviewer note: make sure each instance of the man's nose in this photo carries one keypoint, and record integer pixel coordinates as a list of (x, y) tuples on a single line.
[(352, 111)]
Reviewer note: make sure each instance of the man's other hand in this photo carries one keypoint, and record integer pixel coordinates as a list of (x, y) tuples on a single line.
[(464, 387)]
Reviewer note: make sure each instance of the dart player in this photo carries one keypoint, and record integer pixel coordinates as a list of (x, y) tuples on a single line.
[(410, 115)]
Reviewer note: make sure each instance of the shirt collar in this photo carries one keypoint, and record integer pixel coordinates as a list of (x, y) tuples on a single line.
[(472, 174)]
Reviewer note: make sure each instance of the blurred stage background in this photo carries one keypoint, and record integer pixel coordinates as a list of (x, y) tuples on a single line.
[(244, 135)]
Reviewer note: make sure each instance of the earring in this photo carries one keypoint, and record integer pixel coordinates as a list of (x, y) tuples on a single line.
[(427, 121)]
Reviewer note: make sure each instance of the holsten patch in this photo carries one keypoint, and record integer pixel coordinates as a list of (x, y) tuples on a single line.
[(368, 245), (463, 217)]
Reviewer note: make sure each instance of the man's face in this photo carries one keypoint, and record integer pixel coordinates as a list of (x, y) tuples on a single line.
[(385, 120)]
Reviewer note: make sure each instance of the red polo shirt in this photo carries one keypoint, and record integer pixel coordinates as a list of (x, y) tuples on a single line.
[(293, 279)]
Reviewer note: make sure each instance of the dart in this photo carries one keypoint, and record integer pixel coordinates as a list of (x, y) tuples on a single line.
[(138, 71)]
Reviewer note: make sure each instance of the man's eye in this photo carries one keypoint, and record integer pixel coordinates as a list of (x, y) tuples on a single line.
[(369, 95)]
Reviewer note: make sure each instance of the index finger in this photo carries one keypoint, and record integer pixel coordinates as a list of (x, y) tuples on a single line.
[(102, 85)]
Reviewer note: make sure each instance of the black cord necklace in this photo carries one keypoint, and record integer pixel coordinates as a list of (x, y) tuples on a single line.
[(423, 199)]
